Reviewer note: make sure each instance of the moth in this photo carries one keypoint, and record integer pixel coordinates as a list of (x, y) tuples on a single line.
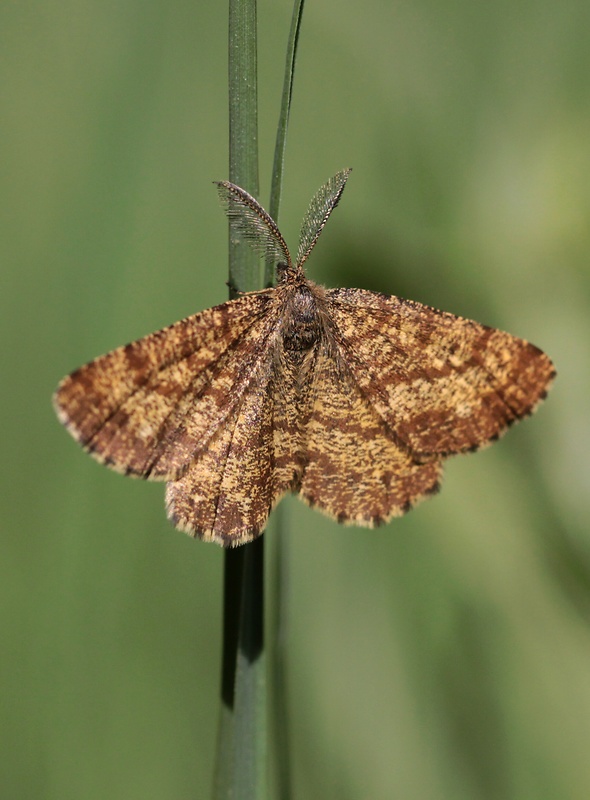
[(349, 398)]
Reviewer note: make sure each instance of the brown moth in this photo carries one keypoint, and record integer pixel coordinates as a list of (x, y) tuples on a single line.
[(349, 398)]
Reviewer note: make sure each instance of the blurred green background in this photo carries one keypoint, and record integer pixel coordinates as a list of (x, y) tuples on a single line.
[(445, 656)]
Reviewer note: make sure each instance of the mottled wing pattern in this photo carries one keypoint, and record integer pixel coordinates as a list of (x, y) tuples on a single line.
[(442, 384), (145, 408), (354, 469), (229, 489)]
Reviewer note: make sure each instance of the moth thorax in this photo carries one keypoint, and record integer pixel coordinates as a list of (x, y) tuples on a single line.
[(302, 325)]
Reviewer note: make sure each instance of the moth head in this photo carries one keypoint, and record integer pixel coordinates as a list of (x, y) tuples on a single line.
[(287, 273)]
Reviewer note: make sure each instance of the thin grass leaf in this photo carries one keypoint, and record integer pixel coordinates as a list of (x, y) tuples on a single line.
[(244, 265), (282, 127), (279, 555), (241, 751)]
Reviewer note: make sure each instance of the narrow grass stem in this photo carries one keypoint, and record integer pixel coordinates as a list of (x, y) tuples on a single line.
[(240, 771), (279, 553)]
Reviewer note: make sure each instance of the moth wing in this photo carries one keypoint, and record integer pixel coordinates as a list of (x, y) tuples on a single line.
[(230, 487), (443, 384), (145, 408), (354, 469)]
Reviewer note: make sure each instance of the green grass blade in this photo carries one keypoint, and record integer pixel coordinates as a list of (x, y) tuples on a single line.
[(232, 603), (279, 553), (240, 771), (250, 763), (278, 634), (244, 264), (281, 140)]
